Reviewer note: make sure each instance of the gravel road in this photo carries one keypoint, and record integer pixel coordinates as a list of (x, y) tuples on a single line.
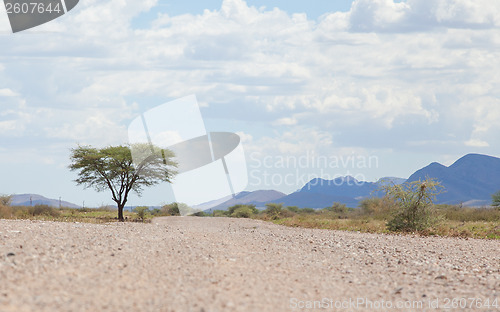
[(220, 264)]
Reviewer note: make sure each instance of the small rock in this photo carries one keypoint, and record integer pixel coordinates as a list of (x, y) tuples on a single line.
[(398, 291), (441, 277), (11, 254)]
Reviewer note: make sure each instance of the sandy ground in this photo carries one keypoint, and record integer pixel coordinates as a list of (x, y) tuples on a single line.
[(219, 264)]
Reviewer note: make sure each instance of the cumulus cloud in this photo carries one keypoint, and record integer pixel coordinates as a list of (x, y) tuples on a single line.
[(388, 74), (7, 92), (419, 15)]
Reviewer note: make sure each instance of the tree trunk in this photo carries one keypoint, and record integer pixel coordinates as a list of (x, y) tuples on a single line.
[(120, 213)]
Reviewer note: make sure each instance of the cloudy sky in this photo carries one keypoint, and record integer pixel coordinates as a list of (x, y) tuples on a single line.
[(378, 87)]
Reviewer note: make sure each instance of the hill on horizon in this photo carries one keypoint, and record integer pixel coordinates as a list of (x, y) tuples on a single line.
[(35, 199), (471, 180), (317, 193), (257, 198)]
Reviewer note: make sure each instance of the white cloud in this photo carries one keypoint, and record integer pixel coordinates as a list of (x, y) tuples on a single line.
[(244, 137), (476, 143), (294, 141), (7, 92), (385, 73), (417, 15), (369, 15), (286, 121)]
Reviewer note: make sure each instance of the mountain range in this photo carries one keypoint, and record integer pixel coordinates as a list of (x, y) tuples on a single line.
[(34, 199), (470, 181)]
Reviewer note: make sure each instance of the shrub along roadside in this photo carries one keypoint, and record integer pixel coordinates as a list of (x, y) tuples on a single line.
[(415, 211), (374, 214)]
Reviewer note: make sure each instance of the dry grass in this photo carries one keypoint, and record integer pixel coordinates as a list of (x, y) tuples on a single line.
[(325, 222), (449, 228), (452, 221), (85, 215)]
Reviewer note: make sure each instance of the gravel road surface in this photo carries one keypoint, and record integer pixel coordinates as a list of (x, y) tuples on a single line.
[(220, 264)]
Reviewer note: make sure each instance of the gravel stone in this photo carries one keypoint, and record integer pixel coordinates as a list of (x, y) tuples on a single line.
[(222, 264)]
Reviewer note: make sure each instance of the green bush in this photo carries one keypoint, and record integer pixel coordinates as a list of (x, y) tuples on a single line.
[(415, 201), (232, 209), (273, 210), (155, 212), (338, 208), (200, 214), (141, 212), (170, 210), (294, 209), (243, 212)]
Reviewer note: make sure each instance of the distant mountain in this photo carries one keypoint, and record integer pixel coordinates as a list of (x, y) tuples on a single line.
[(317, 193), (320, 193), (471, 180), (257, 198), (34, 199)]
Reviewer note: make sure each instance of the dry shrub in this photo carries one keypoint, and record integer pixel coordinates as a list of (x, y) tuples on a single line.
[(5, 208), (5, 212), (43, 210), (378, 208)]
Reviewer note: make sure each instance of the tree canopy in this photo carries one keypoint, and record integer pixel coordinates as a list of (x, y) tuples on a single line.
[(113, 168)]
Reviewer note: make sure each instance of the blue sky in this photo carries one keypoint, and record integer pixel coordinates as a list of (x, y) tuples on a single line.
[(313, 8), (405, 83)]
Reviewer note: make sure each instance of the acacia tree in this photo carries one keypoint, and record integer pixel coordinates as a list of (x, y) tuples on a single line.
[(112, 168)]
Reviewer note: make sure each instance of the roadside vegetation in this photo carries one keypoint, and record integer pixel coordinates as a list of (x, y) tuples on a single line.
[(47, 213), (374, 215), (104, 214), (405, 208)]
